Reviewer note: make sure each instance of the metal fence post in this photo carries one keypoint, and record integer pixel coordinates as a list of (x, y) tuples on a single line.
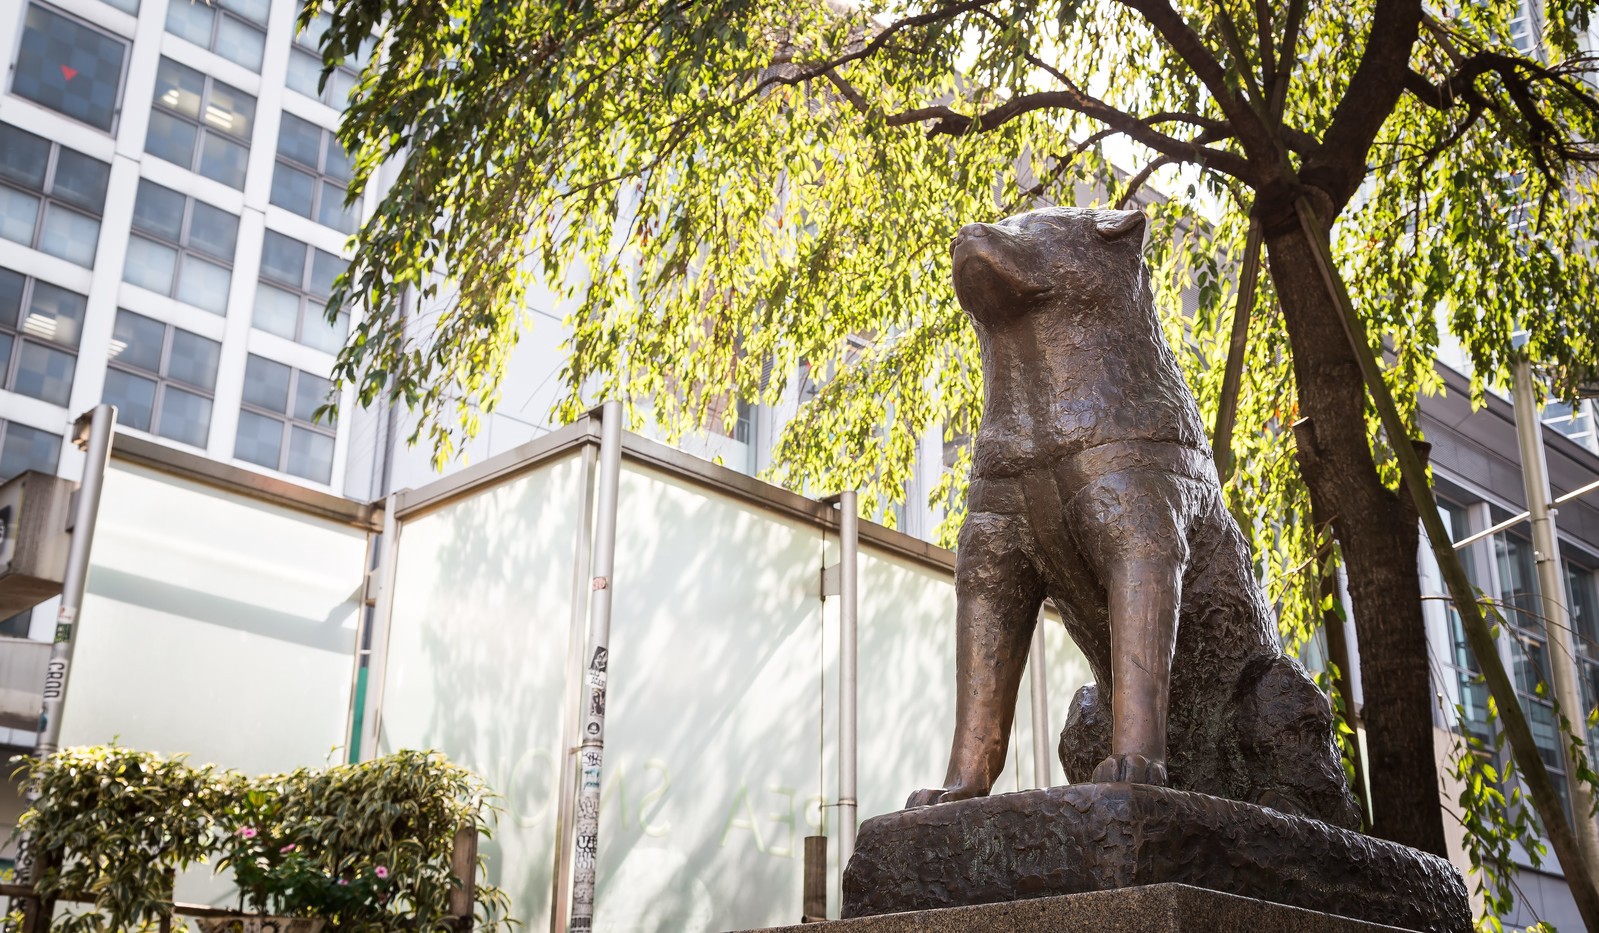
[(577, 637), (101, 423), (1038, 674), (849, 536), (592, 752)]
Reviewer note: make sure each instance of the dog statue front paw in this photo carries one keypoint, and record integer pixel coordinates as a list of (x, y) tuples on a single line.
[(1130, 769)]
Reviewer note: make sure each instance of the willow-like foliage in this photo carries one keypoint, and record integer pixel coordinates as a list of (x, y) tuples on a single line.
[(726, 189)]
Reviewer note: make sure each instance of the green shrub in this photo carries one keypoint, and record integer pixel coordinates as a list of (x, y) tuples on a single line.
[(361, 845)]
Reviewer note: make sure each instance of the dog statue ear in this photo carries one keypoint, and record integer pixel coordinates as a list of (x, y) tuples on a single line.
[(1113, 225)]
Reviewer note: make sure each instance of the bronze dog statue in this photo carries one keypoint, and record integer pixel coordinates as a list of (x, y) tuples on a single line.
[(1093, 486)]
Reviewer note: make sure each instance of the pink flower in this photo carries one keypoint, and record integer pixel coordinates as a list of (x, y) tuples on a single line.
[(248, 832), (344, 881), (382, 872), (288, 848)]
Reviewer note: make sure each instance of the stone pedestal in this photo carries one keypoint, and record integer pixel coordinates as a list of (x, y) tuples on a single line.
[(1085, 838), (1158, 908)]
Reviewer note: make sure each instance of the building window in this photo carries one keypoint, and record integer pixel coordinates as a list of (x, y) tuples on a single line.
[(311, 174), (131, 7), (181, 247), (277, 429), (1524, 27), (24, 448), (291, 298), (744, 427), (1521, 606), (1574, 421), (40, 325), (51, 197), (1582, 600), (1468, 673), (200, 123), (161, 378), (234, 29), (305, 66), (69, 67)]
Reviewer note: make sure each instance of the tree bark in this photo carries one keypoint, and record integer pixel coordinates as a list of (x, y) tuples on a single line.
[(1377, 529)]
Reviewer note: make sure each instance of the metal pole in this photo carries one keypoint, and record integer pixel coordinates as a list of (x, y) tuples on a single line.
[(377, 659), (102, 422), (849, 537), (1577, 493), (591, 753), (576, 641), (1038, 676), (1562, 650)]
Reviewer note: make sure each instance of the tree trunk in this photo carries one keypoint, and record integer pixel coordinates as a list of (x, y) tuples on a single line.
[(1377, 530)]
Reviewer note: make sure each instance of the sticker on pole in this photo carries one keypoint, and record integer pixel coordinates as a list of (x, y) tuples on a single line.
[(55, 679), (65, 619)]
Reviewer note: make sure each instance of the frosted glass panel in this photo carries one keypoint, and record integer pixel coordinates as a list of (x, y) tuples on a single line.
[(722, 714), (477, 646), (214, 625), (714, 729)]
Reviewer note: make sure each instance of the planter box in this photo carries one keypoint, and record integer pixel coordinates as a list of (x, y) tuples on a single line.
[(260, 925)]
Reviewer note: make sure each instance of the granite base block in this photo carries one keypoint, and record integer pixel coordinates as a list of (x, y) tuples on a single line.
[(1085, 838), (1156, 908)]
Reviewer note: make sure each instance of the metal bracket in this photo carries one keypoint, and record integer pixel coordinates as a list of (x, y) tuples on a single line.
[(831, 585)]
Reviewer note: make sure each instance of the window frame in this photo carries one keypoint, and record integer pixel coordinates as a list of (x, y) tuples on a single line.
[(162, 380), (288, 421), (310, 302), (319, 174), (219, 10), (12, 364), (299, 46), (122, 76), (183, 249), (1579, 423), (200, 124), (5, 431), (48, 198)]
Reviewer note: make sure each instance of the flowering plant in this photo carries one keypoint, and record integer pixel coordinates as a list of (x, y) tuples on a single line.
[(357, 845), (279, 877)]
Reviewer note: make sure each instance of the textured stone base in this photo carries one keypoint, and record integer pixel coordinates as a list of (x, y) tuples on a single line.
[(1099, 837), (1157, 908)]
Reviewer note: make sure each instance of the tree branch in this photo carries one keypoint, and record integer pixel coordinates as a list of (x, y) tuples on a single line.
[(1265, 32), (1376, 86), (1247, 124), (1235, 48), (1138, 181), (1548, 142), (954, 124), (946, 121)]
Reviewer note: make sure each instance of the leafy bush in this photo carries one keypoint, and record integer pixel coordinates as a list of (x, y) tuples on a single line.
[(125, 822), (360, 845)]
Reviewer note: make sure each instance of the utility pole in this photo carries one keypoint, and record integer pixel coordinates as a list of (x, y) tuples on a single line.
[(1562, 647)]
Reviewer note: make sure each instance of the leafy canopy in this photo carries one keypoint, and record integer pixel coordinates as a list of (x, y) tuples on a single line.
[(727, 190)]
